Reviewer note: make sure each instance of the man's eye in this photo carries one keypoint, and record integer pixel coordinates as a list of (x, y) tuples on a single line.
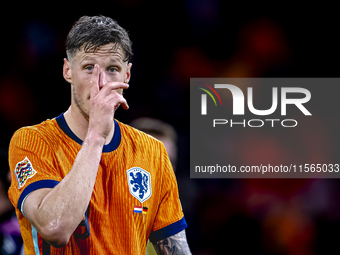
[(112, 69), (89, 68)]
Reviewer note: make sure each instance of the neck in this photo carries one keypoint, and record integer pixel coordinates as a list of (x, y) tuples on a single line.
[(79, 123)]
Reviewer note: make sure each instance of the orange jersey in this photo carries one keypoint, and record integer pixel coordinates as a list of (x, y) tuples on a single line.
[(135, 196)]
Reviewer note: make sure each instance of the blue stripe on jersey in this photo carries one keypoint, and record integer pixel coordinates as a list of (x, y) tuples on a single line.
[(107, 148), (63, 125), (167, 231), (46, 246), (32, 187), (115, 140), (35, 240)]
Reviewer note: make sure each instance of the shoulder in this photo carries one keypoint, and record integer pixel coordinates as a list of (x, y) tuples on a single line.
[(146, 147), (130, 134), (39, 133)]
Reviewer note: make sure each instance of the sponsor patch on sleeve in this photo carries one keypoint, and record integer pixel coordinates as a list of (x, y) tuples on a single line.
[(23, 171)]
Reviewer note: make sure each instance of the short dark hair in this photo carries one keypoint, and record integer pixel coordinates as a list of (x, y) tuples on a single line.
[(89, 33)]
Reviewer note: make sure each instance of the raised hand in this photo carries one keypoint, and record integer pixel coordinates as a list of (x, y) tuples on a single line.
[(105, 98)]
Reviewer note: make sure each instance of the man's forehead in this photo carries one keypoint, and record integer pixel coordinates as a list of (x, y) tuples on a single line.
[(104, 51)]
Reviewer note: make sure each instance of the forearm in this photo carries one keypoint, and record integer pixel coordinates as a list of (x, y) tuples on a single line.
[(63, 208), (173, 245)]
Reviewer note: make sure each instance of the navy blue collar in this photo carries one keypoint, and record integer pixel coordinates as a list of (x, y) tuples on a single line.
[(107, 148)]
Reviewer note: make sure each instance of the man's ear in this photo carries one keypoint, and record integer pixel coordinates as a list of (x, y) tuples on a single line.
[(67, 72), (128, 73)]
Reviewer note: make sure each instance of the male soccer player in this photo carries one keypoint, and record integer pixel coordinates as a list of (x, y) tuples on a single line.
[(84, 183)]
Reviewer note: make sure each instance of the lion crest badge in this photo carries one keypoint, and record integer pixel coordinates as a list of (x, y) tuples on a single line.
[(139, 181)]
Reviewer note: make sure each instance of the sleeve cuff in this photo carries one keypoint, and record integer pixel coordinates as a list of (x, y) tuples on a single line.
[(167, 231), (32, 187)]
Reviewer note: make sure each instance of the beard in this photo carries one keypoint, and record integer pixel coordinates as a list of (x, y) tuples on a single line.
[(79, 102)]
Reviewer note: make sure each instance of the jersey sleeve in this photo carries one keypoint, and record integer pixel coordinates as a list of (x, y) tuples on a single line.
[(31, 165), (170, 218)]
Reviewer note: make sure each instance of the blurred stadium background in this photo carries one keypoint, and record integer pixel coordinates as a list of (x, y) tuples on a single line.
[(176, 40)]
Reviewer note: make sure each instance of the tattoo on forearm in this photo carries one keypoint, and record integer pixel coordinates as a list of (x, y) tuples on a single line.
[(173, 245)]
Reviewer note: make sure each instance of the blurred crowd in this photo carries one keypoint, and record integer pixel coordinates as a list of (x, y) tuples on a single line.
[(172, 42)]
